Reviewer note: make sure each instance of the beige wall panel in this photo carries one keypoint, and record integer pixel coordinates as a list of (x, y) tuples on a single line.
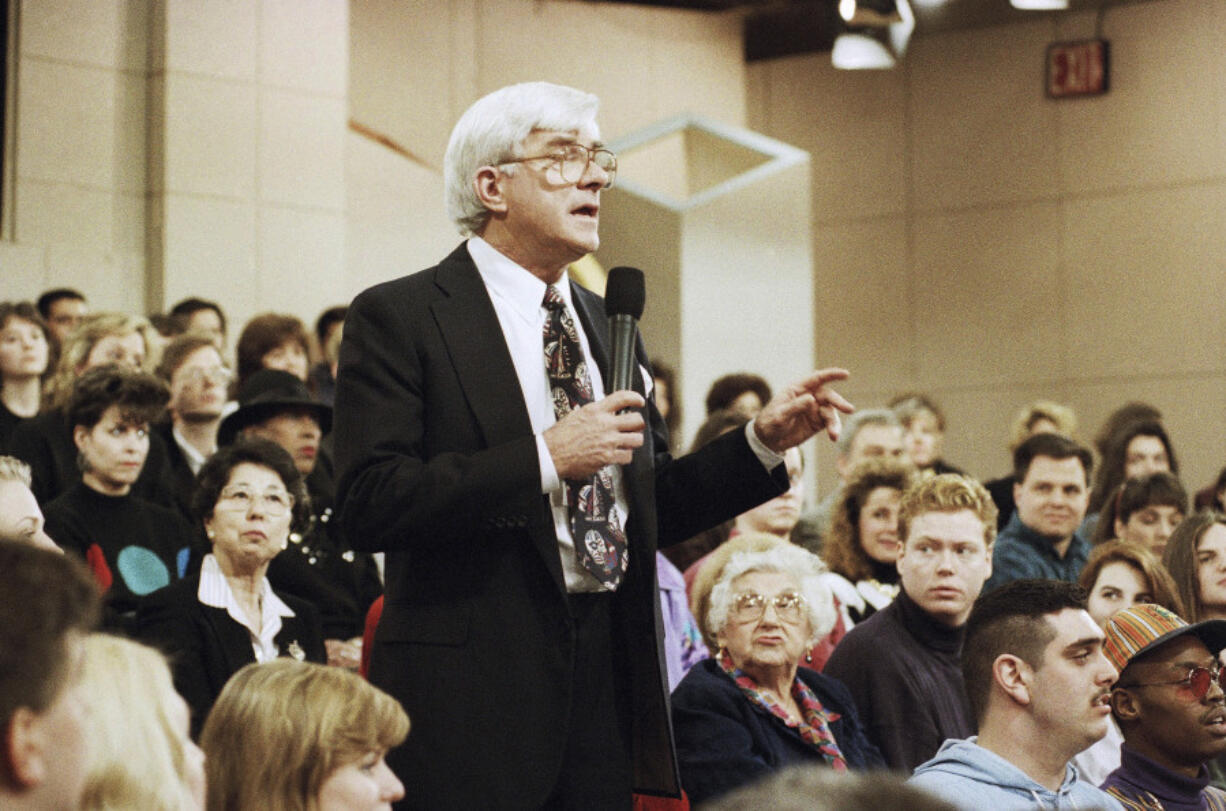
[(25, 270), (1145, 282), (983, 132), (302, 149), (862, 302), (210, 251), (402, 71), (1193, 412), (58, 214), (106, 33), (68, 127), (979, 422), (304, 45), (296, 245), (395, 221), (852, 124), (128, 222), (1161, 120), (210, 142), (213, 37), (987, 297), (111, 281)]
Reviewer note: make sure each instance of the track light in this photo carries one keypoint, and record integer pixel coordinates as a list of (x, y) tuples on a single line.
[(874, 13), (878, 39), (1039, 5)]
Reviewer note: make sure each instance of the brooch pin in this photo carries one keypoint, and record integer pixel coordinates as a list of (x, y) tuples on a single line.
[(295, 650)]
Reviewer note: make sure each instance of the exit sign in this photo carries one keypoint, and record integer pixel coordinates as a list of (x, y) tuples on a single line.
[(1077, 68)]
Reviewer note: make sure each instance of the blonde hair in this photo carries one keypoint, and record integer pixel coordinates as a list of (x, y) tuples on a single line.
[(278, 730), (1059, 415), (948, 493), (80, 343), (138, 756)]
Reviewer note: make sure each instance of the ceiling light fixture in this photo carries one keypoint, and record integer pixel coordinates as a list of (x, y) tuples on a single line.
[(1039, 5), (860, 51)]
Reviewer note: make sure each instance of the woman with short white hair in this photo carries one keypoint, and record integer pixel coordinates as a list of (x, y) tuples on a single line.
[(753, 709)]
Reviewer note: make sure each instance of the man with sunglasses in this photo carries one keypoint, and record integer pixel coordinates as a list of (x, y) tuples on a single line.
[(519, 498), (1170, 706)]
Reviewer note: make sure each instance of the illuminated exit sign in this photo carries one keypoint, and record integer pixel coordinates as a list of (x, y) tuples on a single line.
[(1077, 68)]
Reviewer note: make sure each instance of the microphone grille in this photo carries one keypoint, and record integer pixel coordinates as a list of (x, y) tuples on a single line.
[(625, 293)]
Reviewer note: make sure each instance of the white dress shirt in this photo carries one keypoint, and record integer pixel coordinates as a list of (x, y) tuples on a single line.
[(518, 297), (215, 591)]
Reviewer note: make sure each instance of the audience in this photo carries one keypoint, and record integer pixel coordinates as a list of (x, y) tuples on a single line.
[(1041, 686), (1196, 558), (133, 546), (902, 665), (1040, 417), (48, 602), (141, 756), (862, 545), (20, 516), (666, 397), (1170, 706), (752, 709), (1042, 538), (328, 328), (63, 310), (1136, 449), (273, 341), (1119, 575), (248, 496), (868, 434), (292, 735), (199, 315), (923, 425), (24, 355), (197, 377), (1145, 510), (743, 393), (802, 788), (319, 566), (46, 442)]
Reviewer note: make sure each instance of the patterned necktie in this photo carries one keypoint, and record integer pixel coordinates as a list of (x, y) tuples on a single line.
[(600, 544)]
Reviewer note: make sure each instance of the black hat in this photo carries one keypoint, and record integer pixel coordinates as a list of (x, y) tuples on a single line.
[(267, 393)]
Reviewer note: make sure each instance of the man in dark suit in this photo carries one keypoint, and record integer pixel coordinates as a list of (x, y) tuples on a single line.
[(473, 439)]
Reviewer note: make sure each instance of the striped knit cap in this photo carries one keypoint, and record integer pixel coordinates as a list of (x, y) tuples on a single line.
[(1145, 626)]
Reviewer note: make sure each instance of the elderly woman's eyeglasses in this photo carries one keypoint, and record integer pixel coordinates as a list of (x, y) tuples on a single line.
[(1195, 684), (240, 499), (750, 606), (572, 161)]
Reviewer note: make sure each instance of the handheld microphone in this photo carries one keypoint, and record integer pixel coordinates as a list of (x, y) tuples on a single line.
[(624, 296)]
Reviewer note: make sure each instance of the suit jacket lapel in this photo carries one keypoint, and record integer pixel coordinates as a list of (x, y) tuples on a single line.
[(482, 362)]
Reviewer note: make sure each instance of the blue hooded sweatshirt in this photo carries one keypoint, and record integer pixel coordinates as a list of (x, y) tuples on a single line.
[(970, 777)]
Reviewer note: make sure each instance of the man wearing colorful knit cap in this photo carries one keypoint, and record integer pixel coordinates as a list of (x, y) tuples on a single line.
[(1170, 705)]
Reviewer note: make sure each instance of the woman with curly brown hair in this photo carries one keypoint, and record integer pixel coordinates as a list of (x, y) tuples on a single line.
[(863, 542)]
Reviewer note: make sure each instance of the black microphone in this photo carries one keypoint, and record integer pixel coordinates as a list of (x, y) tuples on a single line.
[(623, 303)]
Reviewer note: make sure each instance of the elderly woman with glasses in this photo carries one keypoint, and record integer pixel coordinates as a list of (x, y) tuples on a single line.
[(753, 709), (249, 496)]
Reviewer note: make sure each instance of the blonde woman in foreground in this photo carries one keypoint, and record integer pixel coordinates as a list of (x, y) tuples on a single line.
[(298, 736), (140, 753)]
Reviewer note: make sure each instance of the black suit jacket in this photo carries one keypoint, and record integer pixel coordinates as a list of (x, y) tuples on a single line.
[(206, 646), (438, 467)]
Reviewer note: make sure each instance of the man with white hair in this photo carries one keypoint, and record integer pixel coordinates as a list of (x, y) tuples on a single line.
[(480, 446), (20, 517)]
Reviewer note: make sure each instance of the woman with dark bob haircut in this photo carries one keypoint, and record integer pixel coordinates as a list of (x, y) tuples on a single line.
[(1144, 510), (249, 497), (273, 341)]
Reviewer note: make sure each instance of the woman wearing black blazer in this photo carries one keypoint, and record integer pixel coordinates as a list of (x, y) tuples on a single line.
[(248, 498)]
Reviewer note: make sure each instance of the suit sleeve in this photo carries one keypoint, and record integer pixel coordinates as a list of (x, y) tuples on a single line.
[(392, 487)]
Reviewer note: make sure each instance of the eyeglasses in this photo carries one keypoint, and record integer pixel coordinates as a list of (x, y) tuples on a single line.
[(751, 606), (1195, 684), (572, 161), (214, 374), (240, 499)]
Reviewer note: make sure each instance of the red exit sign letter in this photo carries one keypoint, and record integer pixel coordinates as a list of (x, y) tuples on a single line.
[(1077, 68)]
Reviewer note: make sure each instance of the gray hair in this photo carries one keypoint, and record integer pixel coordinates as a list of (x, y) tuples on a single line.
[(13, 469), (788, 559), (853, 424), (493, 129)]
